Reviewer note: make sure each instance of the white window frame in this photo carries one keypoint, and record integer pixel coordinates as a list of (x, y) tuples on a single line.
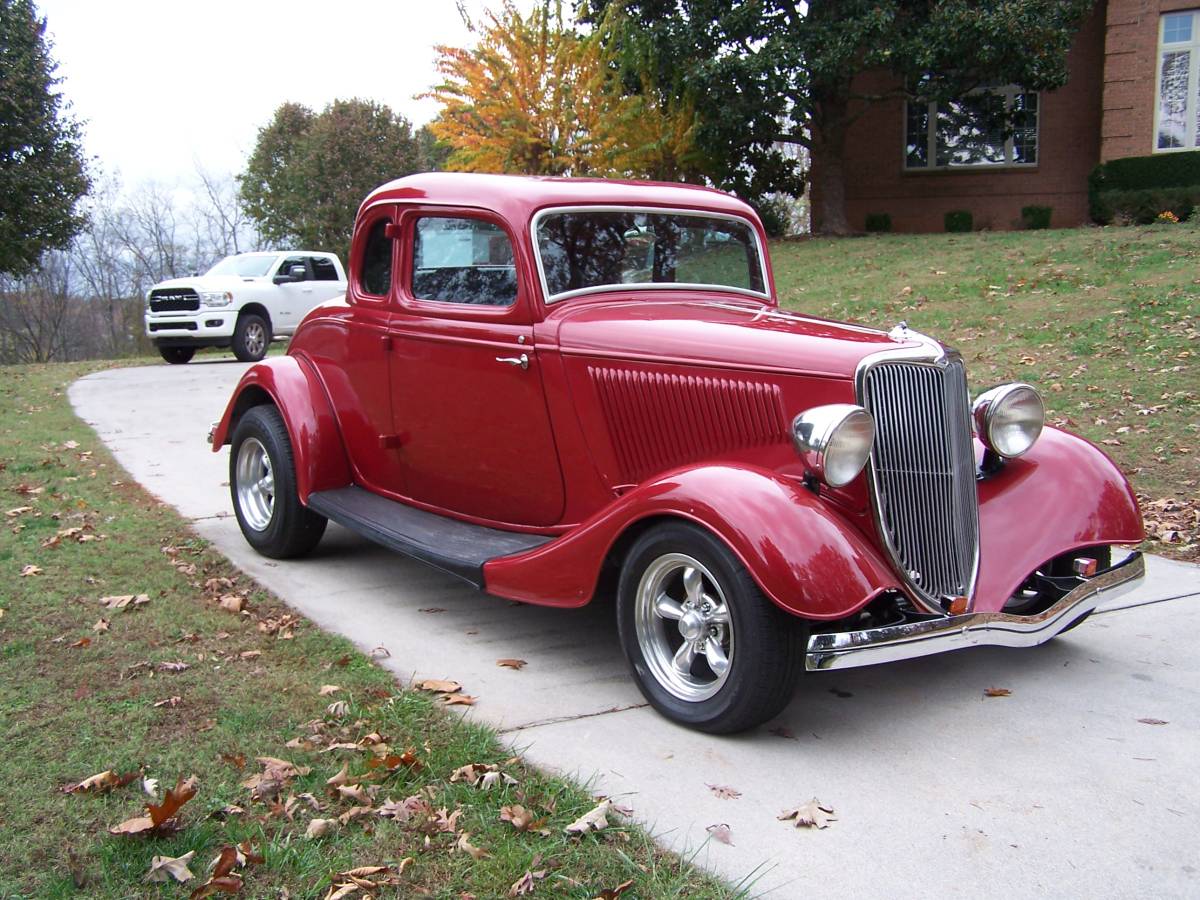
[(1009, 93), (1193, 82)]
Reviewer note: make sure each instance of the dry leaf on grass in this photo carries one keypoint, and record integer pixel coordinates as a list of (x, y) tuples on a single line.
[(523, 819), (125, 601), (18, 511), (81, 643), (318, 828), (392, 761), (437, 686), (101, 626), (169, 701), (327, 689), (164, 868), (724, 791), (225, 884), (341, 778), (997, 692), (721, 833), (812, 814), (511, 663), (232, 603), (161, 816), (593, 820), (172, 667), (101, 783), (526, 883), (467, 847), (337, 709), (613, 893), (27, 571), (354, 792)]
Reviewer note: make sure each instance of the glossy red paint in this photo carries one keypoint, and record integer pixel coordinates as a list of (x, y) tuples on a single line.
[(294, 387), (1063, 495), (806, 558)]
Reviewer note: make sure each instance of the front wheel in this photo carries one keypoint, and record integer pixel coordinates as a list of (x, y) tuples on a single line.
[(262, 480), (251, 337), (177, 356), (706, 647)]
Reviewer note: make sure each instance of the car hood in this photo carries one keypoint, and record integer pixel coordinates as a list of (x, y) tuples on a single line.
[(206, 283), (727, 333)]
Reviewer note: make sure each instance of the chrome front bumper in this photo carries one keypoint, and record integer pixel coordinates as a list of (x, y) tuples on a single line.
[(849, 649)]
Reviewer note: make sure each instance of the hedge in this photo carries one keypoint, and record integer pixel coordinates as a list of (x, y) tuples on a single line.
[(1131, 187)]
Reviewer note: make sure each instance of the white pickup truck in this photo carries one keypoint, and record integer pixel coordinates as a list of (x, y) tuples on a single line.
[(243, 302)]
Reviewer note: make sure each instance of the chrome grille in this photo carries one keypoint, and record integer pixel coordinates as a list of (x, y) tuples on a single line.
[(923, 473), (174, 300)]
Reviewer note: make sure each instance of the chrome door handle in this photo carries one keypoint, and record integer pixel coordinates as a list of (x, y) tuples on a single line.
[(522, 360)]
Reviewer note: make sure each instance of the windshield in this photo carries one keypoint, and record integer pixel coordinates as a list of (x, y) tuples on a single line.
[(247, 265), (585, 250)]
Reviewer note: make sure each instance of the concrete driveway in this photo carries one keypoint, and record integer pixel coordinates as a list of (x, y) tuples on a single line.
[(1057, 790)]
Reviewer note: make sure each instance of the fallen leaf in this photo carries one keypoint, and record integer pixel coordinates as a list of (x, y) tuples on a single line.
[(1153, 722), (173, 667), (237, 760), (18, 511), (724, 792), (593, 820), (327, 689), (457, 700), (232, 603), (226, 884), (354, 792), (163, 868), (250, 654), (721, 833), (81, 643), (380, 652), (27, 571), (101, 783), (996, 692), (340, 778), (337, 709), (101, 626), (125, 601), (512, 663), (319, 828), (435, 686), (467, 847), (150, 787), (613, 893), (175, 798), (170, 701), (526, 883), (809, 815)]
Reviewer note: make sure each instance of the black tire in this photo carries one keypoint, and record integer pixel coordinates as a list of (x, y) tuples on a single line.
[(280, 527), (177, 356), (251, 337), (765, 645)]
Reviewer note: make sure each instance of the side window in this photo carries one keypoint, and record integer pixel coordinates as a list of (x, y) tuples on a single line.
[(323, 268), (376, 275), (285, 267), (459, 260)]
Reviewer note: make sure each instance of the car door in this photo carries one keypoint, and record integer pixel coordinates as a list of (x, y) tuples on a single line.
[(293, 298), (468, 402)]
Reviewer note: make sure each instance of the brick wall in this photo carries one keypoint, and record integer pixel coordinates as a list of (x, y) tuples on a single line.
[(1130, 73), (1069, 148)]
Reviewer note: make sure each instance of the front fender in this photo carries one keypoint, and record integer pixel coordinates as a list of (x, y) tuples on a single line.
[(1063, 495), (806, 558), (295, 389)]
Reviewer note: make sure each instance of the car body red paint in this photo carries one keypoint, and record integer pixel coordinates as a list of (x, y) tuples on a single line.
[(584, 419)]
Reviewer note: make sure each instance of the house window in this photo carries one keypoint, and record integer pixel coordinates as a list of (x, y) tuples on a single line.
[(995, 127), (1177, 126)]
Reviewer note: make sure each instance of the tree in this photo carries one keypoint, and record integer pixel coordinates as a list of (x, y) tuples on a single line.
[(535, 97), (775, 71), (42, 170), (310, 171)]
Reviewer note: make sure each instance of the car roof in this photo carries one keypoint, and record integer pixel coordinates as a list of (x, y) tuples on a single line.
[(518, 197)]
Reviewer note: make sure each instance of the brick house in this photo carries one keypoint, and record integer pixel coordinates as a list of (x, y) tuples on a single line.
[(1133, 90)]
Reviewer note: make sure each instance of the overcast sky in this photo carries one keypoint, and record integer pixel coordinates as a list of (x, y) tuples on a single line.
[(164, 85)]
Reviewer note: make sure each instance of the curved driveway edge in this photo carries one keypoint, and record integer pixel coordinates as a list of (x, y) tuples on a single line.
[(1056, 790)]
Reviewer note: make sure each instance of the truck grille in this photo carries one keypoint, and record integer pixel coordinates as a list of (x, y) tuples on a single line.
[(174, 300), (923, 473)]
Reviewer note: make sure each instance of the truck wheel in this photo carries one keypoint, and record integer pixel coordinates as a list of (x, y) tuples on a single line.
[(251, 337), (262, 481), (707, 649), (177, 356)]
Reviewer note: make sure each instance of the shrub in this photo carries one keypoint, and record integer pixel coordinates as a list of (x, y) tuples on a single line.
[(1119, 179), (1141, 207), (1036, 217), (879, 222), (959, 220), (776, 217)]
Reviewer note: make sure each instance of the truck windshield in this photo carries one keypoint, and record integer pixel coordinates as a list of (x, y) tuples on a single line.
[(245, 265), (582, 251)]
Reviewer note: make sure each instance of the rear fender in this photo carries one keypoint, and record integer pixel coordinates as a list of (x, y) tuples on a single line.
[(806, 558), (295, 389)]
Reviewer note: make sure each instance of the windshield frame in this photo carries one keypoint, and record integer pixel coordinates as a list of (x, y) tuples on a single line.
[(646, 286)]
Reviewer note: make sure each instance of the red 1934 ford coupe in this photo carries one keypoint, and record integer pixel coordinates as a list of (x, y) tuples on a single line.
[(560, 389)]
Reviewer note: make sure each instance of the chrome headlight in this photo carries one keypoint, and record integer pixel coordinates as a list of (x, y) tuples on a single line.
[(1009, 418), (834, 441), (216, 298)]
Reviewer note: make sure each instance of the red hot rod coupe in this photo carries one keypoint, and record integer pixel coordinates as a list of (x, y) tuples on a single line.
[(560, 389)]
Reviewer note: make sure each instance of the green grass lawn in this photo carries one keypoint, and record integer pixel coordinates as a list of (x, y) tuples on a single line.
[(85, 689), (1105, 321)]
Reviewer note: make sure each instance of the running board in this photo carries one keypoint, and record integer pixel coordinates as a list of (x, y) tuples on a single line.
[(456, 547)]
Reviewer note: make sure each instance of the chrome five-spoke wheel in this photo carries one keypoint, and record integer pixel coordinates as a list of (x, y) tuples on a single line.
[(256, 339), (255, 484), (684, 627)]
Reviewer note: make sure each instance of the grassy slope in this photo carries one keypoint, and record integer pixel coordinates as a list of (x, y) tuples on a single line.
[(69, 712), (1105, 321)]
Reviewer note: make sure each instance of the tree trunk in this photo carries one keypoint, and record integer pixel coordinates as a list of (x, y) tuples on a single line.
[(828, 171)]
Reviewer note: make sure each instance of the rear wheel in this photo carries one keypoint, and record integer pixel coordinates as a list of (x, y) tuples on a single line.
[(707, 649), (262, 481), (177, 356), (251, 337)]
